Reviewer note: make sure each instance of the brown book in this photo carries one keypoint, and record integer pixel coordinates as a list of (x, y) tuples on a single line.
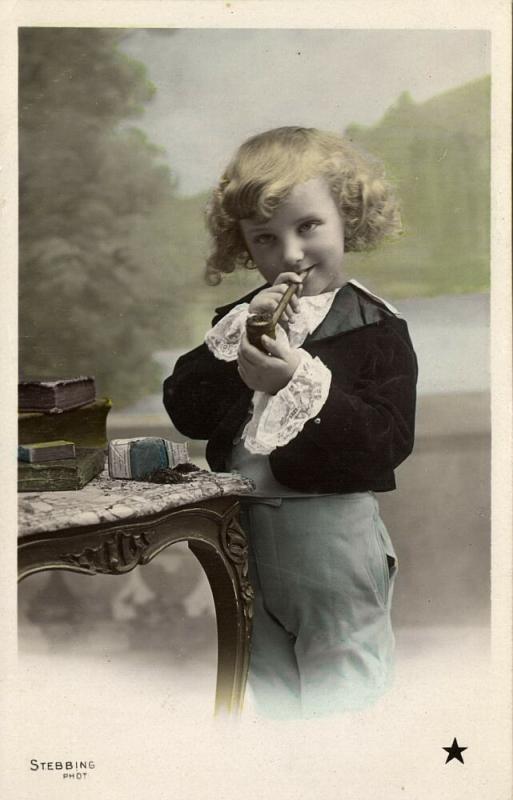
[(86, 426), (55, 396), (62, 475)]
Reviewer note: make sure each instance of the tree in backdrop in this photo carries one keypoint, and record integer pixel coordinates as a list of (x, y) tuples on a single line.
[(95, 207)]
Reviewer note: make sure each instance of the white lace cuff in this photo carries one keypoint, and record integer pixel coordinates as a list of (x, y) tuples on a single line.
[(278, 418), (224, 338)]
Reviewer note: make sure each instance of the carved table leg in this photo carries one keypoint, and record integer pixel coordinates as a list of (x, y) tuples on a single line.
[(226, 571)]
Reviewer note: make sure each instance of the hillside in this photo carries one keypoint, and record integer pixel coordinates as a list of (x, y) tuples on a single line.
[(438, 155)]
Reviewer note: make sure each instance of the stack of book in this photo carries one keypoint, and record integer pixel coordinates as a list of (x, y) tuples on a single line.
[(62, 434)]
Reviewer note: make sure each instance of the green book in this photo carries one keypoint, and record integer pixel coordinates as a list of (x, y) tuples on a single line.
[(63, 474), (86, 426), (38, 452)]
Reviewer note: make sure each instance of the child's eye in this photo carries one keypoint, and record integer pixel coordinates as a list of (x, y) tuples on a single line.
[(308, 226), (263, 238)]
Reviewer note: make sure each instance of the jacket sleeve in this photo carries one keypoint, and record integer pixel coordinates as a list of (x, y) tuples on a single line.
[(200, 392), (366, 426)]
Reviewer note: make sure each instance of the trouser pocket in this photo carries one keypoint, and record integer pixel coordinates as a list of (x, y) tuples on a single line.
[(383, 564)]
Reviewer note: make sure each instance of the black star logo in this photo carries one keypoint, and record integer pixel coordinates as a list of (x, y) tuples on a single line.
[(454, 751)]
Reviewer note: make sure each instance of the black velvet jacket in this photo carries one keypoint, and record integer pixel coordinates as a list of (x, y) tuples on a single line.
[(363, 431)]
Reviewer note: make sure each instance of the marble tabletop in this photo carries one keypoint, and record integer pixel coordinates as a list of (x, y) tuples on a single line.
[(105, 499)]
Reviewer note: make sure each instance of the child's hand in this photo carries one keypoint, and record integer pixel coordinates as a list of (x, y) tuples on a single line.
[(267, 372), (268, 299)]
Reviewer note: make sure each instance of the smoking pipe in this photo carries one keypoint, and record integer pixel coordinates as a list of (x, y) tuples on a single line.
[(259, 324)]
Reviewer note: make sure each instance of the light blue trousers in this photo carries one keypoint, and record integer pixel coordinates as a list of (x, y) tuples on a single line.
[(323, 570)]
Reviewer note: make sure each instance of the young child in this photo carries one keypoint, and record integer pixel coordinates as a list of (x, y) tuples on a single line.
[(319, 420)]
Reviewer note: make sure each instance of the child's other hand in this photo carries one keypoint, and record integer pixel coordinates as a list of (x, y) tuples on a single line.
[(267, 372), (268, 299)]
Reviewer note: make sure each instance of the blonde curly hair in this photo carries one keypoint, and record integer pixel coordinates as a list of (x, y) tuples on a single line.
[(265, 169)]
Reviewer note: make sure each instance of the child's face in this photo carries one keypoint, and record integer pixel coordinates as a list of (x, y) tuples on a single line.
[(306, 232)]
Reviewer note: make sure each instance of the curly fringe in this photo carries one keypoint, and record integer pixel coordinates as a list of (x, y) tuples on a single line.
[(267, 167)]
